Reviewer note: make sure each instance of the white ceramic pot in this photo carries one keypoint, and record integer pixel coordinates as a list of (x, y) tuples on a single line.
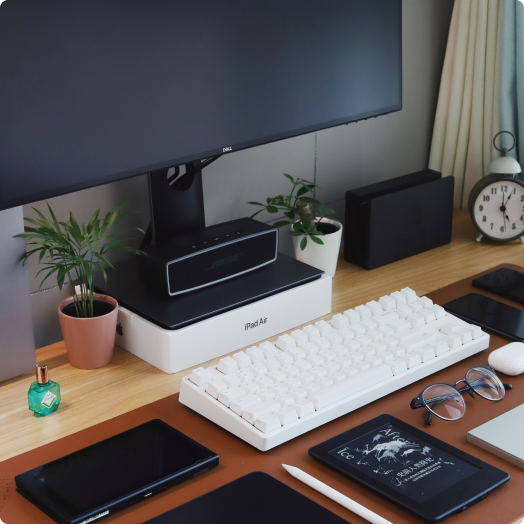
[(322, 257)]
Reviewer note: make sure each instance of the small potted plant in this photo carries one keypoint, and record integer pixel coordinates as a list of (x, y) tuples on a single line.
[(88, 320), (316, 238)]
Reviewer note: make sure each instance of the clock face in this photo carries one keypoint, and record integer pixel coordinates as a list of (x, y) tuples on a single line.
[(499, 210)]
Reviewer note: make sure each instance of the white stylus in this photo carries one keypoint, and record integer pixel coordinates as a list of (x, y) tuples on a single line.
[(333, 494)]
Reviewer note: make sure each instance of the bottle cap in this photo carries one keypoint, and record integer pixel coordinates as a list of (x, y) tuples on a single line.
[(42, 376)]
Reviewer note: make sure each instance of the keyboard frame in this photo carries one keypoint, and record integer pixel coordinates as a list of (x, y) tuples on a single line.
[(198, 400)]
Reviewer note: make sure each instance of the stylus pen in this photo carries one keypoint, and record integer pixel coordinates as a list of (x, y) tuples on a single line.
[(333, 494)]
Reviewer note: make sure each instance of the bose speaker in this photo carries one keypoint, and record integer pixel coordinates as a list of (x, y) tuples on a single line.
[(207, 256)]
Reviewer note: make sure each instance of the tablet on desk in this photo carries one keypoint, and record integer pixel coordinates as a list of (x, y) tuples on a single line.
[(410, 467), (115, 473)]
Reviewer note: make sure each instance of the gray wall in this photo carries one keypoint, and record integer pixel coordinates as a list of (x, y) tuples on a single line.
[(337, 159)]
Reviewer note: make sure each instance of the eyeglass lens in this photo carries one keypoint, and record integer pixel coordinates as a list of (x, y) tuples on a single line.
[(485, 383), (444, 401)]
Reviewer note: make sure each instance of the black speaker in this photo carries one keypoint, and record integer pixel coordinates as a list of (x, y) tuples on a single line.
[(398, 218), (208, 255)]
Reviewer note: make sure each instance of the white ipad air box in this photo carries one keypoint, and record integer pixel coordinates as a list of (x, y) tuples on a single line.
[(503, 436)]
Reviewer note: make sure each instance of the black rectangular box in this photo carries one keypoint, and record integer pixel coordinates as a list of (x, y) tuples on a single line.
[(398, 218)]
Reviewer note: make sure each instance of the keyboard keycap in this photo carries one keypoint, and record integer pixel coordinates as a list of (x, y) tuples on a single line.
[(268, 423), (388, 303), (303, 366), (352, 316), (439, 347), (268, 349), (285, 342), (416, 320), (386, 319), (290, 371), (292, 384), (412, 360), (300, 337), (298, 394), (311, 388), (364, 312), (369, 325), (264, 408), (453, 341), (279, 389), (340, 350), (227, 365), (310, 349), (346, 334), (465, 335), (352, 385), (327, 355), (439, 311), (425, 302), (399, 298), (286, 415), (285, 400), (255, 354), (397, 366), (303, 408), (215, 387), (312, 332), (334, 339), (276, 376), (231, 395), (428, 315), (330, 367), (417, 342), (352, 345), (258, 370), (272, 364), (449, 328), (343, 362), (284, 359), (426, 353), (324, 327), (245, 375), (322, 343), (476, 332), (410, 295), (339, 321), (242, 360), (200, 377), (357, 330), (248, 402), (298, 354), (265, 394), (250, 387), (231, 381), (315, 360), (318, 372), (375, 307), (263, 382)]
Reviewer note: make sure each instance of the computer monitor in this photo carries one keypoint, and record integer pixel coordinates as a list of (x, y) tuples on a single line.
[(94, 91)]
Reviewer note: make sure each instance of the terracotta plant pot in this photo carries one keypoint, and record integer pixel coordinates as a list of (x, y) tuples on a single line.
[(89, 341)]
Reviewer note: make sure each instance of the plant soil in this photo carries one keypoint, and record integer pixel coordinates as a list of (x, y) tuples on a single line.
[(100, 308), (326, 228)]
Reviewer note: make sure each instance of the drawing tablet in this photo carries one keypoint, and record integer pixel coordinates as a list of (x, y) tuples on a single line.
[(256, 498), (410, 467), (113, 474)]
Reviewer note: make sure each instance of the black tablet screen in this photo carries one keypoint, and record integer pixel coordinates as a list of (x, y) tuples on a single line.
[(117, 466), (406, 463)]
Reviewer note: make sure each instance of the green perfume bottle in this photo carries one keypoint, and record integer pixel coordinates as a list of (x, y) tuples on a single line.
[(44, 394)]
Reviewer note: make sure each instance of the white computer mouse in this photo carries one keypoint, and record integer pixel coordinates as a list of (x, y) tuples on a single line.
[(508, 359)]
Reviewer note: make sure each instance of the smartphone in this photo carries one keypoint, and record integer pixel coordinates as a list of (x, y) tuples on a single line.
[(489, 314), (505, 282)]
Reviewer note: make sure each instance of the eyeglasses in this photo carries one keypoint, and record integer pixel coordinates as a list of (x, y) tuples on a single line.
[(446, 400)]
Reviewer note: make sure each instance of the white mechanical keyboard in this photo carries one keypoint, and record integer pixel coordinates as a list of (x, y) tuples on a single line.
[(269, 394)]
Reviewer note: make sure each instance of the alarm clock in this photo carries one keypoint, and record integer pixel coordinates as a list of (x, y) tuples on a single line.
[(496, 202)]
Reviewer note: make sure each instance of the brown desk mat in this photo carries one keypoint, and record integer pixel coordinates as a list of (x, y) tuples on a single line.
[(237, 458)]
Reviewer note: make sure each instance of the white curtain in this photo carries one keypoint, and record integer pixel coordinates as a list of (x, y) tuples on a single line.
[(468, 110)]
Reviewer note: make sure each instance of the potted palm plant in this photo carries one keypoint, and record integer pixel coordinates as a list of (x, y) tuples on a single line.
[(88, 320), (316, 238)]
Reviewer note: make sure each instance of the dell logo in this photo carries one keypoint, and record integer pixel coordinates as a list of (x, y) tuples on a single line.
[(227, 149), (224, 261)]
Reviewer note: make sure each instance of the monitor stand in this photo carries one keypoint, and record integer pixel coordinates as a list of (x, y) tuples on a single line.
[(17, 345), (175, 333)]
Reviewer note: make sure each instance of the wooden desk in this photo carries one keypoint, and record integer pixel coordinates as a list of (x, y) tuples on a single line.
[(90, 397)]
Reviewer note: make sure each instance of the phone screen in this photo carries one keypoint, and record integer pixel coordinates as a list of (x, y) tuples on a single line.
[(490, 314), (505, 282)]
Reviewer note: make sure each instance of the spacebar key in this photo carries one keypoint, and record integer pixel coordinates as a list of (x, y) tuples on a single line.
[(344, 389)]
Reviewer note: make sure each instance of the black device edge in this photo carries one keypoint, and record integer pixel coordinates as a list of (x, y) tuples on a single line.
[(62, 517), (478, 322), (432, 510)]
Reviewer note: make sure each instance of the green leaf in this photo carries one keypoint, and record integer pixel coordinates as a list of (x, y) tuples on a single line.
[(317, 233), (317, 240), (296, 233), (328, 211), (303, 243), (90, 226), (74, 228), (256, 204), (272, 209), (290, 215), (303, 190), (281, 223), (290, 178), (115, 213), (312, 201)]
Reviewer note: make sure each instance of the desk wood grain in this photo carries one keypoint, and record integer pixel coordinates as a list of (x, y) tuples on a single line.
[(90, 397)]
